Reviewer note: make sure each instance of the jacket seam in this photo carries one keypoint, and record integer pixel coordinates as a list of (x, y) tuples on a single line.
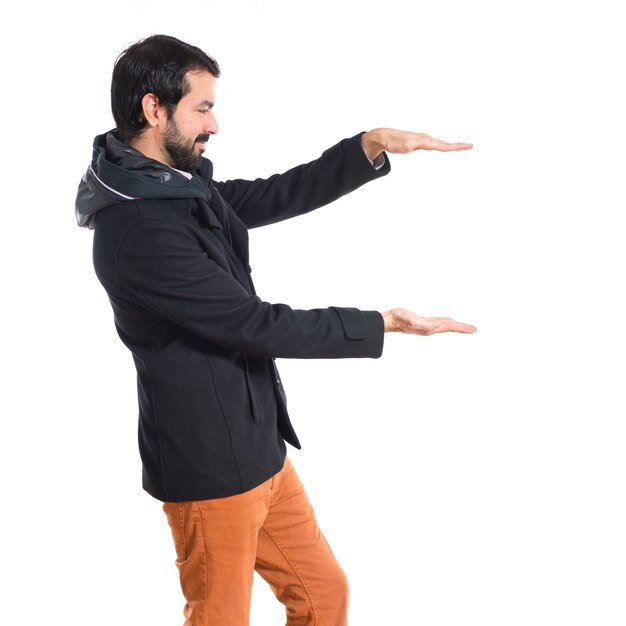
[(230, 434), (151, 352), (125, 280), (158, 431), (131, 296)]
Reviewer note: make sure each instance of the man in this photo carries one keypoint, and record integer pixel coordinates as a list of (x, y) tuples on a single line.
[(171, 249)]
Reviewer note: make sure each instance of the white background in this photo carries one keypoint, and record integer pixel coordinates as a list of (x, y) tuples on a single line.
[(476, 480)]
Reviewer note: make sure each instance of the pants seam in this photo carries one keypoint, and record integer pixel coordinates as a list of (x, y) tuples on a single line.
[(204, 564), (295, 571), (181, 529)]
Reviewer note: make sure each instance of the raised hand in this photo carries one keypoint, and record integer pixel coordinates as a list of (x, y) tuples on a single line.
[(403, 142)]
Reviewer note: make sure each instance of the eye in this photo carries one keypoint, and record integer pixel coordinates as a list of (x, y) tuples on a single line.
[(203, 110)]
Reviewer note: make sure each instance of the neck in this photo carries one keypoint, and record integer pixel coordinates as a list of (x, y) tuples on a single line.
[(147, 144)]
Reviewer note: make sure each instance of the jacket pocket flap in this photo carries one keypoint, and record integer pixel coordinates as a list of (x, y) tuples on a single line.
[(353, 322)]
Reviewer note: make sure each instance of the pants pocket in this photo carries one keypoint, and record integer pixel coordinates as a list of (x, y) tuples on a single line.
[(180, 519), (191, 559)]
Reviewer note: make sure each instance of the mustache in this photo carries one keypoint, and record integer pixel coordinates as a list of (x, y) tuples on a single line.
[(203, 138)]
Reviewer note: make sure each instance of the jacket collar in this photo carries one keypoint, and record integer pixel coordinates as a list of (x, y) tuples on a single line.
[(119, 173)]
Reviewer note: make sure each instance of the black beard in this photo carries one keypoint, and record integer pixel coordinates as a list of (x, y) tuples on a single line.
[(183, 156)]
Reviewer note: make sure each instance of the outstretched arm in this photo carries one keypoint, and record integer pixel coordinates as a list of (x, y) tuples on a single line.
[(338, 171), (376, 141)]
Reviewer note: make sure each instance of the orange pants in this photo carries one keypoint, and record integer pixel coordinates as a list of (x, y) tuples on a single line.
[(270, 529)]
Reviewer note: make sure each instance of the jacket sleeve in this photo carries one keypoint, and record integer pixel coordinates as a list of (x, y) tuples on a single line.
[(169, 273), (339, 170)]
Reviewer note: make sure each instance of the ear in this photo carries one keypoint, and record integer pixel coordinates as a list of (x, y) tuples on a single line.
[(153, 112)]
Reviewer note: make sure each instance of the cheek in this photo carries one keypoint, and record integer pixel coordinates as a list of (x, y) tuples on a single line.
[(189, 128)]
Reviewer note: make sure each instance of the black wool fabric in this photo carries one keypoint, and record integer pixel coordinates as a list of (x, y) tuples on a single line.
[(173, 257)]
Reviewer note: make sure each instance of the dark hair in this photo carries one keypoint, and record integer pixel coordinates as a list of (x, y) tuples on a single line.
[(158, 65)]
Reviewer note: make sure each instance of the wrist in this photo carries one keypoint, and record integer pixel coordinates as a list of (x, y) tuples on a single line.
[(388, 321), (371, 143)]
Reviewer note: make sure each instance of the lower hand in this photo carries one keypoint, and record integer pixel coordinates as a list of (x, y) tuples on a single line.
[(405, 321)]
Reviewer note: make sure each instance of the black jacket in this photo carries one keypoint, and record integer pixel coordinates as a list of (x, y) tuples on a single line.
[(172, 254)]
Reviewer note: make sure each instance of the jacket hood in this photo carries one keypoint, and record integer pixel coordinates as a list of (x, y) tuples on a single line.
[(118, 173)]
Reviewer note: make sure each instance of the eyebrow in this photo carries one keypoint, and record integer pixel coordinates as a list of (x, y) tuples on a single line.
[(207, 103)]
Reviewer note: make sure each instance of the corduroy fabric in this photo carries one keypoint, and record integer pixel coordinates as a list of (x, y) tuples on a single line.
[(271, 529)]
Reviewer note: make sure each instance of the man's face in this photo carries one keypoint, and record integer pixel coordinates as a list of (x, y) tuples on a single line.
[(192, 123)]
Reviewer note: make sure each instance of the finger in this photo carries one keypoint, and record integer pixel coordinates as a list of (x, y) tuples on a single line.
[(444, 146), (447, 324), (457, 327)]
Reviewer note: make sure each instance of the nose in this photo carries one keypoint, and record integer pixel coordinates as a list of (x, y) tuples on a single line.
[(210, 123)]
